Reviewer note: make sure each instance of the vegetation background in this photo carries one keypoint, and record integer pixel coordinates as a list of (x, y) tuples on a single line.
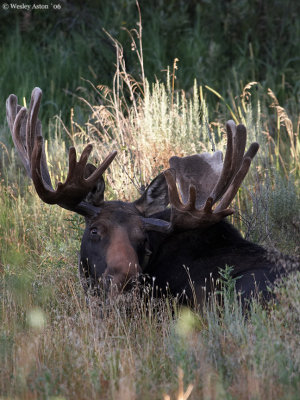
[(202, 62)]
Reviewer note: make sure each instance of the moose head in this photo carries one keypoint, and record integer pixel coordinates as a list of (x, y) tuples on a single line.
[(193, 194)]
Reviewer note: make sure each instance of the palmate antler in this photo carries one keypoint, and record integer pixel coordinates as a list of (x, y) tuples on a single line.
[(196, 183), (26, 132)]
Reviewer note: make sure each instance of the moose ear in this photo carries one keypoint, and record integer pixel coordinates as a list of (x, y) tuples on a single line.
[(155, 198), (96, 195)]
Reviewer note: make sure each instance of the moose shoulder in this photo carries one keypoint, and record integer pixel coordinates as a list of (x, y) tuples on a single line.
[(175, 232)]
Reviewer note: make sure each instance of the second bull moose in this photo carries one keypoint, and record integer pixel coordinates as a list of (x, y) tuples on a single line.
[(176, 231)]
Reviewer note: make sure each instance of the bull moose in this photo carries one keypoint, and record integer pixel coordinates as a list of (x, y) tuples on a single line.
[(172, 232)]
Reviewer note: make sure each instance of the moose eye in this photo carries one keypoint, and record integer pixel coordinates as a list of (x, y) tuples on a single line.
[(97, 232), (94, 231)]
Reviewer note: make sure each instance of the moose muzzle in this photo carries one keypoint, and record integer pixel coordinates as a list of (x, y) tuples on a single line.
[(122, 260)]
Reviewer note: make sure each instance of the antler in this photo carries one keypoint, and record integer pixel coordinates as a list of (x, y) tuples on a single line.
[(26, 132), (203, 180)]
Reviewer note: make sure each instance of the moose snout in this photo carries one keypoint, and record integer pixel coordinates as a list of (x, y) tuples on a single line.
[(121, 279), (118, 282), (122, 261)]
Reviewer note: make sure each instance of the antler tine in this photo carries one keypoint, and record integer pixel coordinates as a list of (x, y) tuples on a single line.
[(16, 118), (239, 177), (11, 110), (172, 189), (44, 165), (226, 170), (253, 149), (236, 142), (43, 189), (19, 135), (31, 126), (34, 130), (93, 178), (239, 145)]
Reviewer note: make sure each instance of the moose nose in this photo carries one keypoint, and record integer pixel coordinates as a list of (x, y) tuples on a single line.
[(121, 259), (119, 279), (121, 273)]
